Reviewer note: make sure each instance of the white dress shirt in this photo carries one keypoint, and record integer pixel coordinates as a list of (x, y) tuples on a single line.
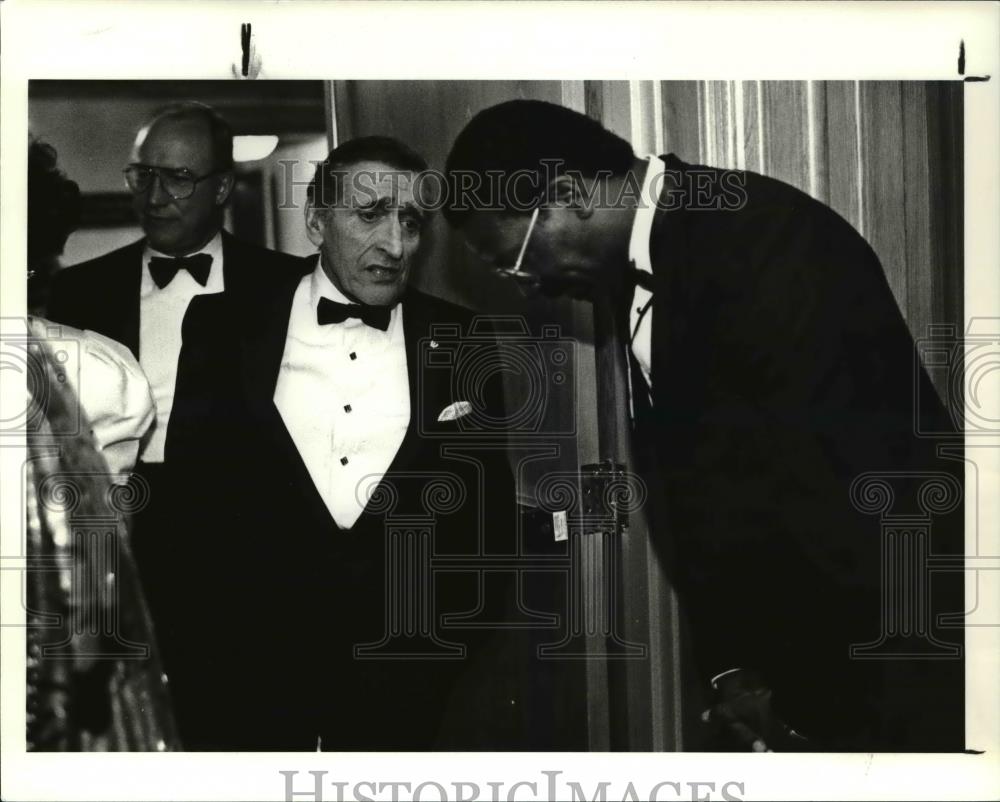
[(161, 315), (112, 391), (344, 395), (638, 251)]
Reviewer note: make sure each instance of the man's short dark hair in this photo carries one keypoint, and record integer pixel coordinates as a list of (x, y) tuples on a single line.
[(325, 188), (219, 131), (531, 136)]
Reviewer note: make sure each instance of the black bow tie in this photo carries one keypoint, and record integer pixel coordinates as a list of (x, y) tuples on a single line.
[(163, 269), (332, 312)]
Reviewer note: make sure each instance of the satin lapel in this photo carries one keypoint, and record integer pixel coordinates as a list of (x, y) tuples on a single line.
[(266, 302), (229, 259), (233, 269), (667, 248), (262, 349), (123, 295), (660, 329), (264, 342), (415, 452), (416, 326)]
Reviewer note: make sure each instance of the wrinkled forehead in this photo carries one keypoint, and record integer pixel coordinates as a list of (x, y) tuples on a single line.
[(371, 183)]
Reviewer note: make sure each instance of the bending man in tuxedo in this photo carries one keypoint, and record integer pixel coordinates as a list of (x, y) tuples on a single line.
[(770, 369), (181, 176), (321, 436)]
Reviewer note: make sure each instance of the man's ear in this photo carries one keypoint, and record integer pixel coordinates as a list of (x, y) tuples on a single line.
[(315, 223), (566, 191), (225, 188)]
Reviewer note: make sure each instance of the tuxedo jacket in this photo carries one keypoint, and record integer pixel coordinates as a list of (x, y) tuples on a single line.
[(103, 294), (783, 374), (296, 595)]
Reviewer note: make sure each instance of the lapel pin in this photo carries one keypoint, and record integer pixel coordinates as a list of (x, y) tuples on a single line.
[(434, 344)]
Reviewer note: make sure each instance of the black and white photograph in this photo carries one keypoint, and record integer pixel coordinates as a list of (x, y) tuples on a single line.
[(426, 432)]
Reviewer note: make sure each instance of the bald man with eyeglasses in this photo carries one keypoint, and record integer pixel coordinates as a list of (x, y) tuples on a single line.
[(181, 177)]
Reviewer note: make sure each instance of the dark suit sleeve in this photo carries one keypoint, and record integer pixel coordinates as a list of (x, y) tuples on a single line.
[(101, 295)]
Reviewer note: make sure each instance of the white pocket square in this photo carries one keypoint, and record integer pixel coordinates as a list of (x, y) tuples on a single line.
[(454, 411)]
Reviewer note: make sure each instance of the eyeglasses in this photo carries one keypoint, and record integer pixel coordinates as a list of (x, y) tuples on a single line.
[(178, 184), (525, 281)]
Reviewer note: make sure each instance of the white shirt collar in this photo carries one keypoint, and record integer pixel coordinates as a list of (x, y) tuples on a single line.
[(642, 225), (320, 286), (213, 248)]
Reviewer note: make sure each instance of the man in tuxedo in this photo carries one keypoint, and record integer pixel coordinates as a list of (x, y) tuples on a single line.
[(331, 467), (180, 176), (771, 378)]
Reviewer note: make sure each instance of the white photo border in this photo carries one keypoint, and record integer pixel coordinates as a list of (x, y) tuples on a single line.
[(552, 40)]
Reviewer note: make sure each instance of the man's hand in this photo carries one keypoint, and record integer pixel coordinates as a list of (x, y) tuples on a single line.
[(741, 715)]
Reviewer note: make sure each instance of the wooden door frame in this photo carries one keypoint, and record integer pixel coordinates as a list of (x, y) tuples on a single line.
[(633, 704)]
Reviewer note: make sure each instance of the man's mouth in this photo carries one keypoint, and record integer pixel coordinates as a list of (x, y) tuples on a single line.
[(383, 272)]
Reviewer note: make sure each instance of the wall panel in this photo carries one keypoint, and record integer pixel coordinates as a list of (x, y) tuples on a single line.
[(914, 170), (682, 133), (886, 155), (643, 693), (945, 140), (784, 131), (843, 151), (883, 199)]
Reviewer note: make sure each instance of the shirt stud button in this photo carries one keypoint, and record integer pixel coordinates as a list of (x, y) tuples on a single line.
[(347, 407), (353, 355), (343, 460)]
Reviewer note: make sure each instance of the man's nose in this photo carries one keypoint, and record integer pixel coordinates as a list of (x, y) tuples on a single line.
[(158, 196), (392, 237)]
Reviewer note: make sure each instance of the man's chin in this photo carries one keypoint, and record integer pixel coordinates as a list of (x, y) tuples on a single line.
[(162, 238), (381, 295), (168, 246)]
